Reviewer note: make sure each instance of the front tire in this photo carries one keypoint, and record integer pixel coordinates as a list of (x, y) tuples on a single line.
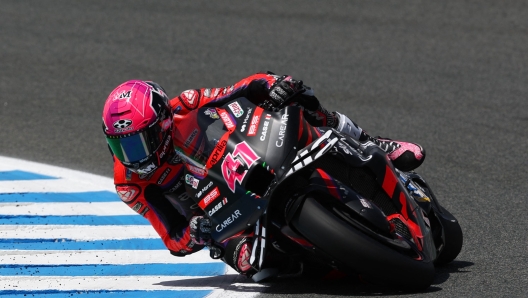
[(453, 237), (375, 262)]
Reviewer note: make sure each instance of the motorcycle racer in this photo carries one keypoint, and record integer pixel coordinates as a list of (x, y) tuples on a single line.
[(138, 122)]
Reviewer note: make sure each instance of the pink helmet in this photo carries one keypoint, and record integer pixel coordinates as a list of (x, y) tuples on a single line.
[(137, 123)]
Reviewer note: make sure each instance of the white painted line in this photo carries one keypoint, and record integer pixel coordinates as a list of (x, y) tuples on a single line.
[(76, 181), (51, 185), (62, 209), (120, 283), (82, 233), (230, 285), (80, 257)]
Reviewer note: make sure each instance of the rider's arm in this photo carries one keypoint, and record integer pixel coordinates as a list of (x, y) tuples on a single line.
[(145, 198), (255, 88)]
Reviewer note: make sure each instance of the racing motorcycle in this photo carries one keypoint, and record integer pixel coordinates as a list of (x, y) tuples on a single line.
[(316, 194)]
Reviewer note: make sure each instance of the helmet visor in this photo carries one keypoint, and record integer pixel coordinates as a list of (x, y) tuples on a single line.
[(137, 148)]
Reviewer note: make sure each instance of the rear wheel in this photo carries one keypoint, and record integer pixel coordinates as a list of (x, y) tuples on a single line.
[(375, 262)]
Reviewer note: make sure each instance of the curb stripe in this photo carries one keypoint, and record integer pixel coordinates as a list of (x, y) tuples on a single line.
[(108, 294), (81, 233), (91, 196), (70, 244), (198, 269), (85, 208), (21, 175), (81, 257), (73, 220)]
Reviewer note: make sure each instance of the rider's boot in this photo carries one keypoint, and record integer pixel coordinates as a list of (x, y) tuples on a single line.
[(404, 155)]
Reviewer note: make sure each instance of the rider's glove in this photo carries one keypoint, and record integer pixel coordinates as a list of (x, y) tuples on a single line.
[(200, 230), (284, 89)]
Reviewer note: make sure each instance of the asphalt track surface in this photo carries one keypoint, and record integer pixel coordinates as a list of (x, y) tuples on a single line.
[(451, 76)]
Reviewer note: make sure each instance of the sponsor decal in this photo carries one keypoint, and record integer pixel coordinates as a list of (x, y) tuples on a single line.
[(209, 198), (137, 207), (122, 125), (199, 194), (190, 138), (146, 170), (242, 153), (175, 187), (165, 146), (119, 130), (216, 91), (193, 182), (145, 211), (127, 193), (226, 118), (196, 170), (228, 220), (207, 92), (164, 176), (265, 127), (190, 244), (253, 126), (282, 129), (248, 113), (366, 203), (217, 207), (236, 109), (212, 113)]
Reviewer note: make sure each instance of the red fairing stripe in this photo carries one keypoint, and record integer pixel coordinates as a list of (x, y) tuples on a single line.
[(332, 188), (415, 228), (300, 241), (301, 128), (389, 182)]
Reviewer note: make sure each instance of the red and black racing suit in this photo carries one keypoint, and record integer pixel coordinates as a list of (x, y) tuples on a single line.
[(160, 196)]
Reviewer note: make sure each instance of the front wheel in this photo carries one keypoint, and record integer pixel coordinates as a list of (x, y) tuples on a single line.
[(374, 261), (452, 237)]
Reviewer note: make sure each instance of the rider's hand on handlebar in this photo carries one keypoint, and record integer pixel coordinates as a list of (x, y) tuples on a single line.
[(285, 89), (200, 230)]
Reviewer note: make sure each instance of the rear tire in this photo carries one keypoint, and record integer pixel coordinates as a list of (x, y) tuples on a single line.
[(375, 262)]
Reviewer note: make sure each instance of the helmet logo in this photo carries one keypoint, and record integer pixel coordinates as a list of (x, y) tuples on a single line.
[(125, 94), (122, 125)]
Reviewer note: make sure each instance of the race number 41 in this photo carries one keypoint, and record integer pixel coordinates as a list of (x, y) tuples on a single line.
[(232, 162)]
